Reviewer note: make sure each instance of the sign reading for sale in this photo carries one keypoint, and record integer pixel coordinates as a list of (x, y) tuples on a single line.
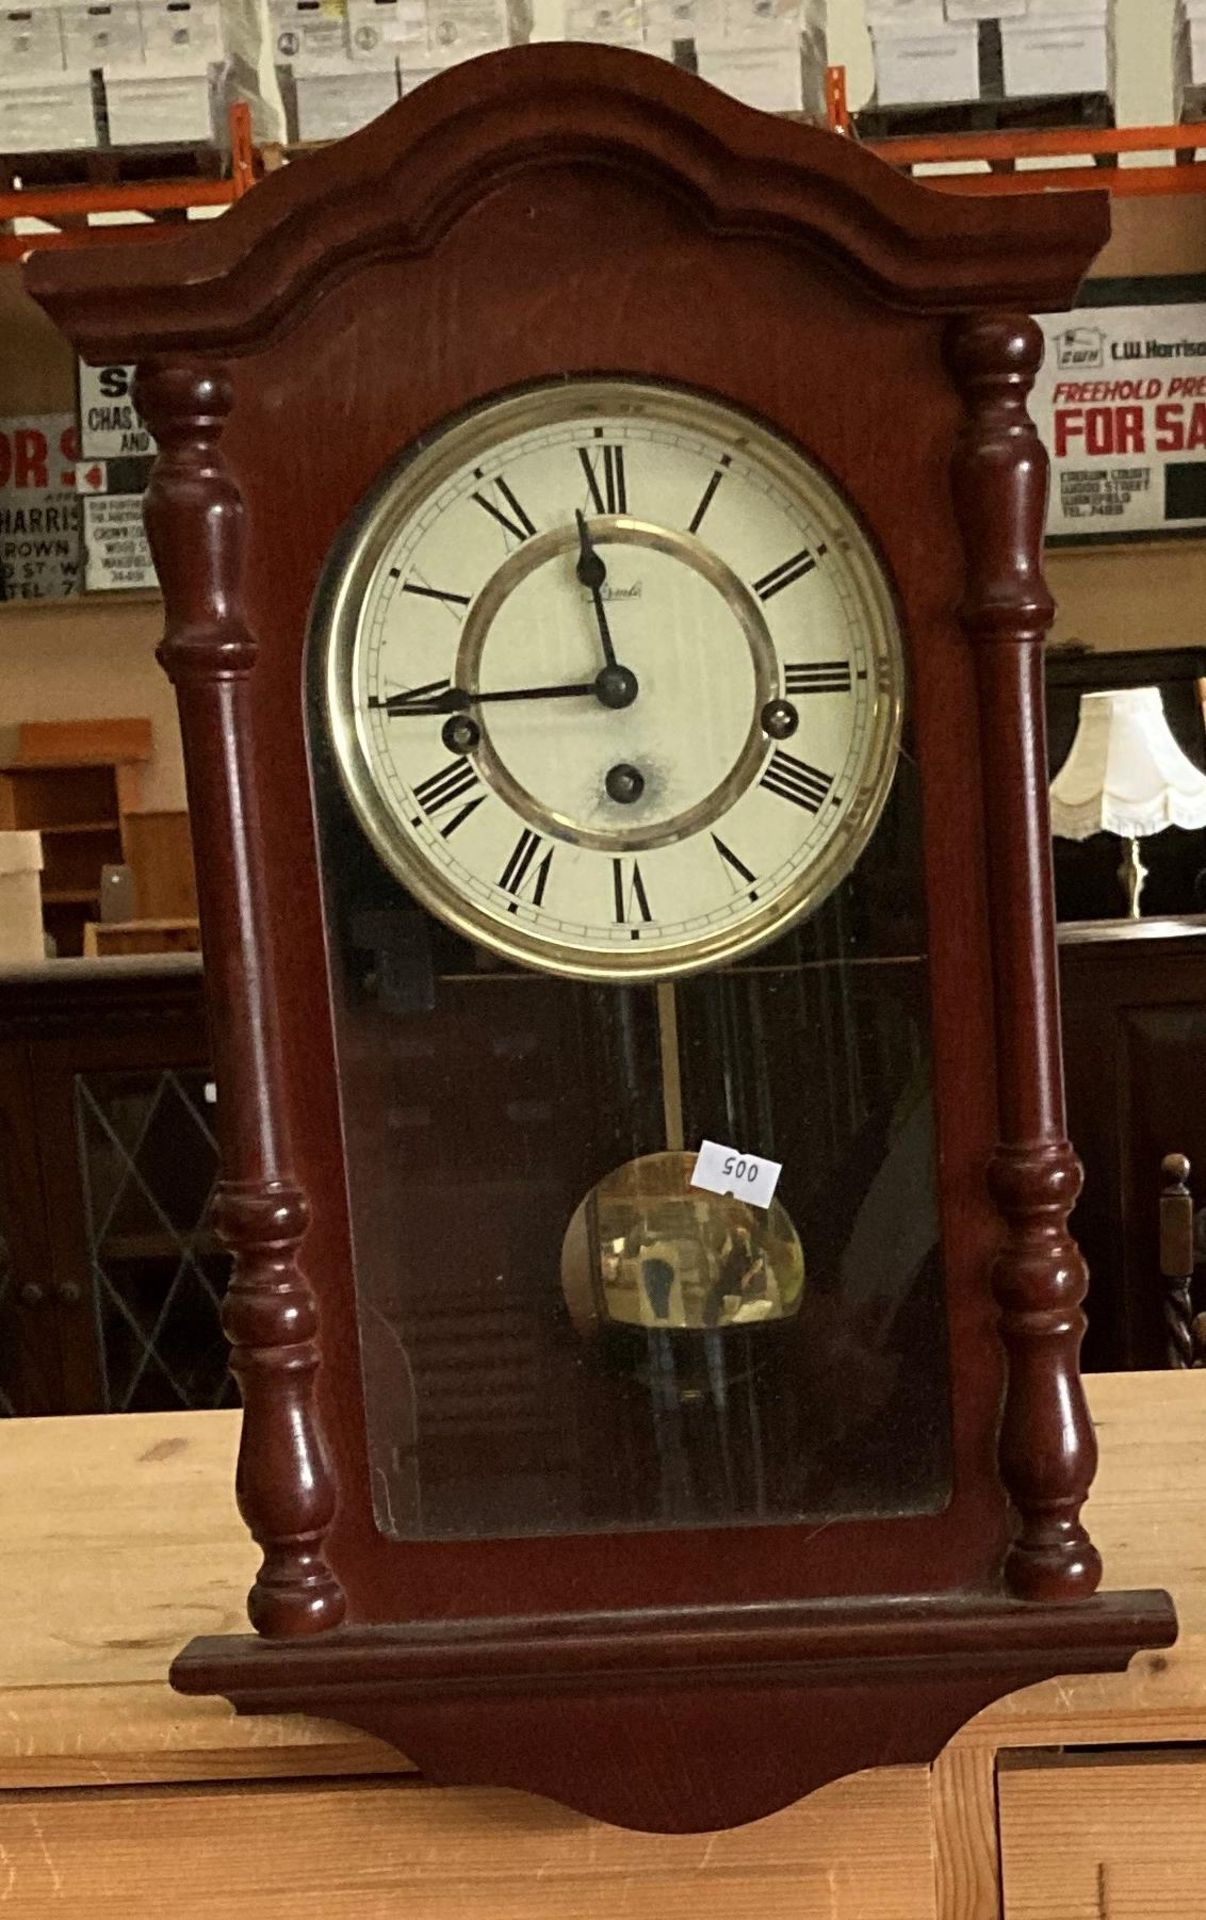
[(39, 511), (1121, 404)]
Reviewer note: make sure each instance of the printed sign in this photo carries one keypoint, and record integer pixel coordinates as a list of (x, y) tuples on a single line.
[(39, 512), (110, 429), (116, 453), (116, 555), (1121, 404)]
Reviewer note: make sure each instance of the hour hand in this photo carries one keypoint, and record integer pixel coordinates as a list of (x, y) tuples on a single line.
[(593, 575), (590, 569), (436, 697)]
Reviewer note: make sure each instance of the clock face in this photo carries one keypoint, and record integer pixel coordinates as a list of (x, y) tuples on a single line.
[(614, 679)]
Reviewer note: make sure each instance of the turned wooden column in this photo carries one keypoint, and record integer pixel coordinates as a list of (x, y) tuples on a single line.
[(194, 517), (1046, 1450)]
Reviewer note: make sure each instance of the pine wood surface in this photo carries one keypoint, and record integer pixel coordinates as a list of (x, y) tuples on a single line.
[(963, 1818), (83, 1658), (1111, 1839), (101, 1590), (374, 1850)]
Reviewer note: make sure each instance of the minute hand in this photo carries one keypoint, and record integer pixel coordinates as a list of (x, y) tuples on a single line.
[(458, 699)]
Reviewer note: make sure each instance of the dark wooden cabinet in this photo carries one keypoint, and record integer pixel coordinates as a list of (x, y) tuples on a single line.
[(1134, 1017), (110, 1276)]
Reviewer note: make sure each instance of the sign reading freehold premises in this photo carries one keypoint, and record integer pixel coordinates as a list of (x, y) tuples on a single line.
[(116, 453), (1121, 404)]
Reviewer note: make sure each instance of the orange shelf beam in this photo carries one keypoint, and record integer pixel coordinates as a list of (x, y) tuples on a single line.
[(74, 204), (1001, 150), (1038, 143), (1128, 182)]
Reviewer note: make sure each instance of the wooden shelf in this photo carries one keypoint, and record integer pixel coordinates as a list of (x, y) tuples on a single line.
[(81, 826), (76, 782), (1000, 151)]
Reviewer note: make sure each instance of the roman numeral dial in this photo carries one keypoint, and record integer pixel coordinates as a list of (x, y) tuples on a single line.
[(624, 675), (440, 791), (526, 874), (796, 781), (733, 862), (825, 676), (603, 466), (629, 897), (785, 574), (497, 498)]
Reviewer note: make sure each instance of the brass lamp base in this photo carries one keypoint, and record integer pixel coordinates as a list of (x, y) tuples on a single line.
[(1132, 874)]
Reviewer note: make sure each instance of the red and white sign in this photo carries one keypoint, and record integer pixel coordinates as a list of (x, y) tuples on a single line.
[(1121, 404), (40, 543), (116, 452)]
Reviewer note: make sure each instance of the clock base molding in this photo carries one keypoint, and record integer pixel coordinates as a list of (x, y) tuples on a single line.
[(683, 1722)]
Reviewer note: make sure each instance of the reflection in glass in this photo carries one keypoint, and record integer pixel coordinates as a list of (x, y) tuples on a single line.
[(646, 1249), (557, 1335)]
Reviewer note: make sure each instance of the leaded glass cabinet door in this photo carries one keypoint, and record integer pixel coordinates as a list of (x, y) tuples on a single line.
[(148, 1167), (600, 532)]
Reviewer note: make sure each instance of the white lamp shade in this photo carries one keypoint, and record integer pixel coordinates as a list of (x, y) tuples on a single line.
[(1125, 773)]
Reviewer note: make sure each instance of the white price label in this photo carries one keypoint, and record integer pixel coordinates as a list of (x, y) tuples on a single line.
[(747, 1176)]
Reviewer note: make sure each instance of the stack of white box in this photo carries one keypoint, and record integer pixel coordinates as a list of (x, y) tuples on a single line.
[(456, 30), (927, 52), (612, 23), (150, 61), (166, 93), (923, 57), (1189, 59), (342, 78), (42, 106), (769, 53), (1059, 46)]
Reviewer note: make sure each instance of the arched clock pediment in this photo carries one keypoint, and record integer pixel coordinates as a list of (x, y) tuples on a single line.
[(397, 187)]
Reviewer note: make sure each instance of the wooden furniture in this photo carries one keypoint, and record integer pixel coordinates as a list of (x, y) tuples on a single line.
[(21, 936), (1060, 1801), (110, 1276), (102, 938), (77, 782), (159, 850), (669, 1677), (1134, 1029), (1181, 1235)]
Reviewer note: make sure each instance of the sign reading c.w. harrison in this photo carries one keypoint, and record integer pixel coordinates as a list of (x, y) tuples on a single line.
[(1121, 404)]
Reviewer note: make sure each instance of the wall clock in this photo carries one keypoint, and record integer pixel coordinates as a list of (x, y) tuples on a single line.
[(599, 529)]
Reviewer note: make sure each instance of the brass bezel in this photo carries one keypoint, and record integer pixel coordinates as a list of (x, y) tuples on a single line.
[(336, 628)]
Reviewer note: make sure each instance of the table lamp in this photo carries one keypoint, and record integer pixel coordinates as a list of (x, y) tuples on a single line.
[(1125, 774)]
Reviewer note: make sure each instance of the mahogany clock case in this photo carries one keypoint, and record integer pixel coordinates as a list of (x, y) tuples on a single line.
[(561, 211)]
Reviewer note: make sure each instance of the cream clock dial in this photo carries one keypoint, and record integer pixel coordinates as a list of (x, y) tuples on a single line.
[(614, 679)]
